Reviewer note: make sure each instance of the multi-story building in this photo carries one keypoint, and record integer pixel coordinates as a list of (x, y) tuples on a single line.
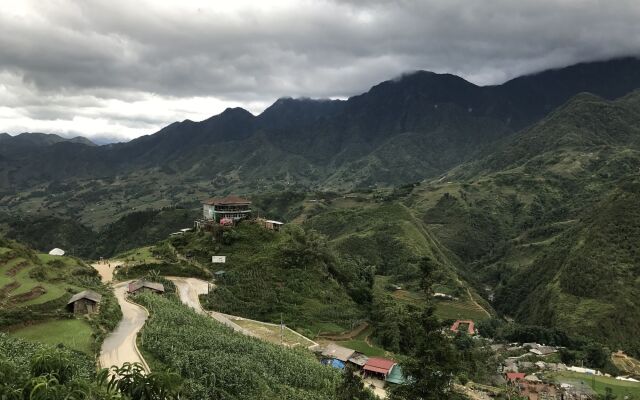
[(232, 208)]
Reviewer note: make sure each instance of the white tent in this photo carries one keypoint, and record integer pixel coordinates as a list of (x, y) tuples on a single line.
[(56, 252)]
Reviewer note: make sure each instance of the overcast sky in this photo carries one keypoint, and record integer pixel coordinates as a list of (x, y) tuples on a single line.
[(119, 68)]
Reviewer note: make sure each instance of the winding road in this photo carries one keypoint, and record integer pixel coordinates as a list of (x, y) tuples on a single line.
[(120, 346), (190, 288)]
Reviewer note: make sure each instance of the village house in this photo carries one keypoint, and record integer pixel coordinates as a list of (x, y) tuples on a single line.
[(378, 367), (273, 225), (540, 350), (358, 359), (230, 208), (85, 302), (514, 377), (143, 286), (470, 326), (333, 351)]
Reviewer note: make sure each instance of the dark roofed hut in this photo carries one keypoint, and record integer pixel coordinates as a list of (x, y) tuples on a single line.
[(85, 302), (145, 286)]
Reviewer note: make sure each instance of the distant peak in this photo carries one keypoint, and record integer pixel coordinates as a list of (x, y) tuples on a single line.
[(236, 111)]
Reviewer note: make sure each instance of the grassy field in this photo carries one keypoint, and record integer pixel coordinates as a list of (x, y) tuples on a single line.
[(271, 333), (139, 255), (363, 347), (463, 308), (73, 333), (599, 383), (67, 261), (362, 343), (318, 327)]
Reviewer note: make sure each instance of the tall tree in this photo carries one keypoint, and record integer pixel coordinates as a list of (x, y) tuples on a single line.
[(352, 387), (431, 368)]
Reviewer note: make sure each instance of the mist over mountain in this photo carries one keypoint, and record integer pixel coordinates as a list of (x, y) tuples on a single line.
[(414, 127)]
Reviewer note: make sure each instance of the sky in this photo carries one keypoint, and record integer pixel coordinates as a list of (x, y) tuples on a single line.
[(114, 70)]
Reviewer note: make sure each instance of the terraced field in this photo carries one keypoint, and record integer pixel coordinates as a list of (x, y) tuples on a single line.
[(29, 279), (627, 364), (23, 283), (460, 310)]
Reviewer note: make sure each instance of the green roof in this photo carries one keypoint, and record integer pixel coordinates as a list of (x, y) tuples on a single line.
[(395, 375)]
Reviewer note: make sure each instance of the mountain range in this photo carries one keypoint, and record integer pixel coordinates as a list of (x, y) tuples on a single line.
[(403, 130), (528, 189)]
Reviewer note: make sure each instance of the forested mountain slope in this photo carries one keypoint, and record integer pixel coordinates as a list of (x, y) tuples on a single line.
[(548, 220)]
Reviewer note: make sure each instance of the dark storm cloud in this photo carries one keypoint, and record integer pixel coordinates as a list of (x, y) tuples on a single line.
[(76, 54)]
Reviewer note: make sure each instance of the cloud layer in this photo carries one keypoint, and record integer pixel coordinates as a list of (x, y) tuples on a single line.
[(120, 69)]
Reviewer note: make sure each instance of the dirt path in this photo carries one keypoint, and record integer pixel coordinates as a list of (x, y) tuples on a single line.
[(120, 345), (476, 303), (428, 236), (352, 334), (190, 288), (106, 268)]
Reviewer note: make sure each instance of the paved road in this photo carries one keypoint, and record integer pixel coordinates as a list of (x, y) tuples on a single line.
[(120, 345), (190, 288)]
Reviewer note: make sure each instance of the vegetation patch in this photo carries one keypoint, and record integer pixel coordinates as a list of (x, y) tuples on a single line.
[(74, 334), (219, 362), (599, 384)]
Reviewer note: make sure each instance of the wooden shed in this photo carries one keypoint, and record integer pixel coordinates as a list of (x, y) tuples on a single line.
[(145, 286), (85, 302)]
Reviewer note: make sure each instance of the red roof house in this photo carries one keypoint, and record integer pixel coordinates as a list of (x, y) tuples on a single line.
[(379, 365), (515, 376), (471, 329)]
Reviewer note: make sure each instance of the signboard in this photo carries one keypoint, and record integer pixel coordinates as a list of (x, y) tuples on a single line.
[(218, 259)]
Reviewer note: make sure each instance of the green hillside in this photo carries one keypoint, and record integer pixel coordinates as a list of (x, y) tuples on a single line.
[(268, 275), (34, 291), (134, 229), (547, 222)]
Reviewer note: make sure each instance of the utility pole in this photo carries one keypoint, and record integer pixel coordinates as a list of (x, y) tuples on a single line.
[(281, 330)]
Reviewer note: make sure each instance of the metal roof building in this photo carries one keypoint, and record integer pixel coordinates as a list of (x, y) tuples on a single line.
[(378, 365), (337, 352), (142, 284)]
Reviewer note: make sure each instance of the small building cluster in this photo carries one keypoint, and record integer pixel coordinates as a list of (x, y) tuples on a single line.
[(378, 368)]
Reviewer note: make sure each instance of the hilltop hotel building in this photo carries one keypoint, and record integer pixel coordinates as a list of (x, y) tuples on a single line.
[(231, 207)]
